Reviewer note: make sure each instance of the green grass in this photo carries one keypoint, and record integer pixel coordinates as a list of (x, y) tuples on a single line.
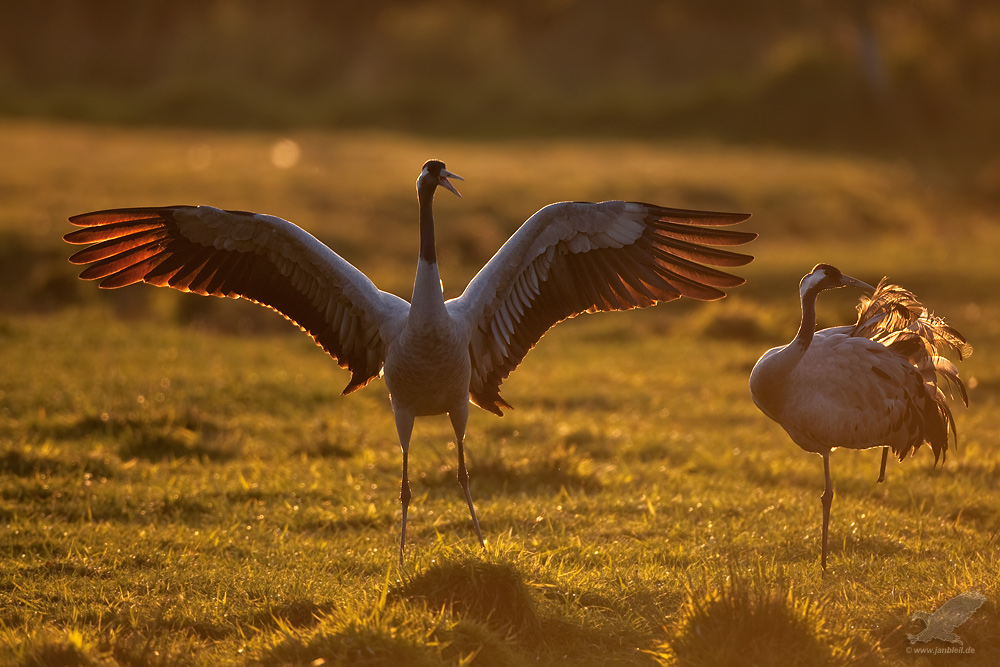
[(182, 483)]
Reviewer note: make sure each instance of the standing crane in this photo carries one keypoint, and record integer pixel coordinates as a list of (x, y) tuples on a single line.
[(436, 355), (872, 384)]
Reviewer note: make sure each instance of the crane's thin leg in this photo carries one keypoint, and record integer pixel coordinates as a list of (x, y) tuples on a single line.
[(827, 499), (404, 427), (458, 421), (881, 472)]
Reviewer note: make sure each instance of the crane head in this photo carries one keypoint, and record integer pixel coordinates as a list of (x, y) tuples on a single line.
[(826, 276), (434, 173)]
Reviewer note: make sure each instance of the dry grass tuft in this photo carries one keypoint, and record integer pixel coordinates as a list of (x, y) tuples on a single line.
[(749, 621), (487, 591)]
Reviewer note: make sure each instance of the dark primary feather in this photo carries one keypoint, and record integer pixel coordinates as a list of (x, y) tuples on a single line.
[(666, 263), (145, 244)]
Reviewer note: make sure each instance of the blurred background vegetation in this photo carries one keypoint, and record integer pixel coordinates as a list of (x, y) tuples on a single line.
[(920, 76)]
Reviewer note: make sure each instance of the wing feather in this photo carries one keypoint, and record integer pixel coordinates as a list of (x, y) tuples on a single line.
[(895, 318), (115, 227), (238, 254), (105, 249), (574, 257)]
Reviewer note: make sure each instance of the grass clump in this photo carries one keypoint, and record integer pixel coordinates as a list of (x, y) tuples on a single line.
[(488, 591), (750, 621), (49, 647), (357, 642)]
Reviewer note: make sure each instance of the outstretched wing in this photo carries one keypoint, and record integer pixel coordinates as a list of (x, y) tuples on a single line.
[(238, 254), (575, 257)]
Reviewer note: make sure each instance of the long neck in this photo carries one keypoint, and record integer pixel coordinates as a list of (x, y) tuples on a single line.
[(428, 297), (769, 380), (425, 197), (807, 326)]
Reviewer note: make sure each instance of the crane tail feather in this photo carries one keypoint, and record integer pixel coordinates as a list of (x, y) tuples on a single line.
[(894, 316)]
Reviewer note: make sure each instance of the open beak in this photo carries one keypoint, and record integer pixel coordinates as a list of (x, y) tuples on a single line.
[(443, 180), (848, 281)]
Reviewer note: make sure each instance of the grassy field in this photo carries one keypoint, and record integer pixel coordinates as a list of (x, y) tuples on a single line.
[(182, 483)]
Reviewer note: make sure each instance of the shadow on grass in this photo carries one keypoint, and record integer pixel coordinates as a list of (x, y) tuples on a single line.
[(492, 476), (298, 613), (176, 443), (319, 520), (166, 437), (323, 447), (857, 549), (23, 462)]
